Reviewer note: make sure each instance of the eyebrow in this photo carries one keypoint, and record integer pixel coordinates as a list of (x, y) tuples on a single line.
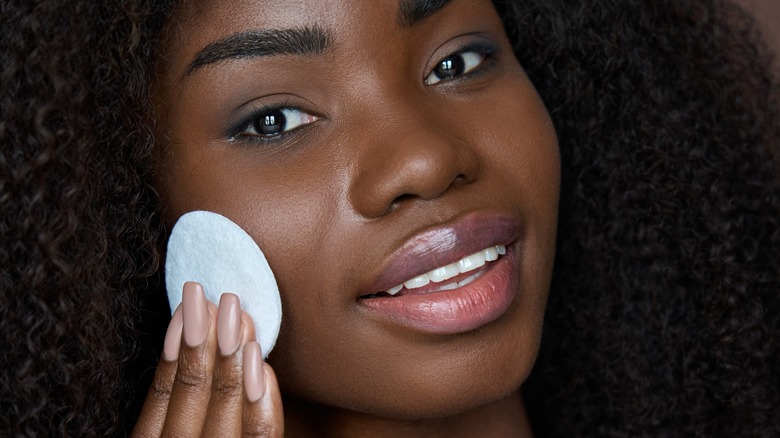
[(411, 12), (267, 42)]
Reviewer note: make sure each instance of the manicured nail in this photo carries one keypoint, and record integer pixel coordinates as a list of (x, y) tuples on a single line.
[(254, 379), (228, 324), (195, 314), (173, 337)]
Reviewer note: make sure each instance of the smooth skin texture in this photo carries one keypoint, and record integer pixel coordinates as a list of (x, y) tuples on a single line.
[(383, 152)]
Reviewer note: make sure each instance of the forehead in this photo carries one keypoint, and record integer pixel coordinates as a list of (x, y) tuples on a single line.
[(212, 14), (198, 23)]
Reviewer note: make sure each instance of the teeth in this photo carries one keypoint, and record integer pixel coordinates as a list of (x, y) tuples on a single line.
[(450, 286), (444, 273), (471, 262), (468, 280), (466, 264), (416, 282)]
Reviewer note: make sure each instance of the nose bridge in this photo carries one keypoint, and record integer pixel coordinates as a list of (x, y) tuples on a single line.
[(409, 153)]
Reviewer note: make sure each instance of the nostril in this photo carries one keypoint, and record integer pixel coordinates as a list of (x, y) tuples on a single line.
[(458, 181), (464, 179), (399, 200)]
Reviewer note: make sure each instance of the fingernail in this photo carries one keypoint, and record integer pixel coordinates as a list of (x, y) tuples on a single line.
[(195, 314), (254, 381), (173, 337), (228, 324)]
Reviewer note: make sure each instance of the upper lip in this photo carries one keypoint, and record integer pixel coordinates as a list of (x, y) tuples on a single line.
[(444, 244)]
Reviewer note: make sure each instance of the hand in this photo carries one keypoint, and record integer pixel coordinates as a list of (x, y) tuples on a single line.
[(211, 379)]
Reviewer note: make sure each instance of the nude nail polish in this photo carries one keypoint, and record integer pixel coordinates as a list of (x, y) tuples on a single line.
[(228, 324), (173, 337), (195, 314), (254, 378)]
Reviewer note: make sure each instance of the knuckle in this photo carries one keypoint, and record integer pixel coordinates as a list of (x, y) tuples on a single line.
[(192, 379), (260, 428), (227, 387), (161, 389)]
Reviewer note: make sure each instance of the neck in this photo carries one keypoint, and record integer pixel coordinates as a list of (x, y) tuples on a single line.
[(505, 417)]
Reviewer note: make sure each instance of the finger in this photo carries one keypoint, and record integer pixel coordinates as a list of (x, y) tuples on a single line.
[(263, 415), (192, 386), (150, 422), (223, 417), (247, 328)]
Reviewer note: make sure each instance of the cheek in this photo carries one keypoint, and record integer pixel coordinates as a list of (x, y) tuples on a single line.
[(519, 150), (286, 209)]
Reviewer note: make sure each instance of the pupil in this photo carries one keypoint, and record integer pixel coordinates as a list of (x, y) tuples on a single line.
[(450, 67), (271, 124)]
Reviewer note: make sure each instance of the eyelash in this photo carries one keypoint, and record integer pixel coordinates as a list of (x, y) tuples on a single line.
[(486, 50), (240, 132)]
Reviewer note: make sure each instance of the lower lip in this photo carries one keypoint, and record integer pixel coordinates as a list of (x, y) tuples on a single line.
[(453, 311)]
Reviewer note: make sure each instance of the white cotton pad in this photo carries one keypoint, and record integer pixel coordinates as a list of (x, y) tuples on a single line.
[(212, 250)]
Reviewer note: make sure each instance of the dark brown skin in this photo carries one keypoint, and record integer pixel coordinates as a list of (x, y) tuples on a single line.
[(387, 157)]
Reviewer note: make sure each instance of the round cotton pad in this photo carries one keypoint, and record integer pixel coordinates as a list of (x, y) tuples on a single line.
[(212, 250)]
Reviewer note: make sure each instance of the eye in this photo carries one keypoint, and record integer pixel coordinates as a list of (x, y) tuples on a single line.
[(455, 65), (269, 123)]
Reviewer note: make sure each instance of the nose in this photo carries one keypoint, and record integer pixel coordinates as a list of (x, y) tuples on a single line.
[(406, 161)]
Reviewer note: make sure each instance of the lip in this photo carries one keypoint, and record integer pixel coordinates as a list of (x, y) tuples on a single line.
[(458, 310), (453, 311), (443, 245)]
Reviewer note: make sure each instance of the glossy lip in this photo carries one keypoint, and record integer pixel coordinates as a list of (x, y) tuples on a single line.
[(443, 245), (459, 310)]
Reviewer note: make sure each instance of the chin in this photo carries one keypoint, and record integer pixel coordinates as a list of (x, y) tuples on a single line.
[(435, 380), (453, 396)]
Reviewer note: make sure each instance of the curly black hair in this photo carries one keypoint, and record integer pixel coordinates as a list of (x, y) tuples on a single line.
[(78, 234), (665, 307), (664, 312)]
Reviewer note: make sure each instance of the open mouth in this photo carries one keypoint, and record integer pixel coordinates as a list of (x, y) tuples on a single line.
[(448, 277)]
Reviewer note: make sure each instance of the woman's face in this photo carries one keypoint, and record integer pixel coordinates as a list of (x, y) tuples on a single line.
[(362, 144)]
